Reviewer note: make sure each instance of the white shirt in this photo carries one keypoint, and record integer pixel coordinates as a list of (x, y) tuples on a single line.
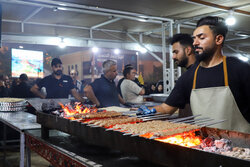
[(130, 91)]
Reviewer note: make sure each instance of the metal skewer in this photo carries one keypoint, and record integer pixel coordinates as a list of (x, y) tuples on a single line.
[(182, 119), (213, 123)]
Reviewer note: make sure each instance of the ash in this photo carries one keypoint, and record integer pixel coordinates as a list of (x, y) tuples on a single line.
[(224, 146)]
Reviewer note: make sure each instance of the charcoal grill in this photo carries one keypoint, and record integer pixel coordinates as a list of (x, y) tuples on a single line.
[(151, 150)]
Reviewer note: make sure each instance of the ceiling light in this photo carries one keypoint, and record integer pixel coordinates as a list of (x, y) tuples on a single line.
[(230, 20), (62, 4), (62, 44), (142, 20), (61, 8), (116, 51), (243, 58), (95, 49), (55, 9), (142, 50), (21, 47)]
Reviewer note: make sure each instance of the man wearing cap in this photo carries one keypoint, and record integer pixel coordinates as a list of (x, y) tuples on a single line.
[(57, 84)]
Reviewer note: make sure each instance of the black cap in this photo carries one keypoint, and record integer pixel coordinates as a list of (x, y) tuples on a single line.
[(56, 61)]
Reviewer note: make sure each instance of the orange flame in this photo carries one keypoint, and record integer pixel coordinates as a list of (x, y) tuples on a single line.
[(187, 139), (78, 109)]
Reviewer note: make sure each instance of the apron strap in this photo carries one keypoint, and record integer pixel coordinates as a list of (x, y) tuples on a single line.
[(195, 76), (224, 70)]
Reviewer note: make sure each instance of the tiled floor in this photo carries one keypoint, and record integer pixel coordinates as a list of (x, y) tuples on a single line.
[(13, 159)]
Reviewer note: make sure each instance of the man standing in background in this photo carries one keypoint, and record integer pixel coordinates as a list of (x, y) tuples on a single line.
[(57, 84)]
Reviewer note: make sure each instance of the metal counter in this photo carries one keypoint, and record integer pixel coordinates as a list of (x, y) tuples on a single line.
[(19, 121), (61, 146)]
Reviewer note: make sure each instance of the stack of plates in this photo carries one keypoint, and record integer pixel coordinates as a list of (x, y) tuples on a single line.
[(12, 104)]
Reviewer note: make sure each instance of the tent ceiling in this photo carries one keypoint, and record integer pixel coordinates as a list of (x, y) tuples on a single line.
[(111, 20)]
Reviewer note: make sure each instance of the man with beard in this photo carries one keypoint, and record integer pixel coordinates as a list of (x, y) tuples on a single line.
[(216, 86), (57, 84), (183, 55), (183, 50)]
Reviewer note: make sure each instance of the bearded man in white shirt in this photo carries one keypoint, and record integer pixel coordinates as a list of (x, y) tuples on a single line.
[(131, 92)]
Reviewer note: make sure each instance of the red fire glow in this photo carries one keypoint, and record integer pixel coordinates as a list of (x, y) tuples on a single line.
[(187, 139)]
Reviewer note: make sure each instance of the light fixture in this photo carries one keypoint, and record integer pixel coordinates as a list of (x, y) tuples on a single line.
[(142, 20), (55, 9), (137, 53), (142, 50), (243, 58), (116, 51), (62, 44), (95, 49), (21, 47), (230, 20)]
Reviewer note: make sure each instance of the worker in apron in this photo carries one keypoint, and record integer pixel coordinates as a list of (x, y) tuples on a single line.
[(215, 86)]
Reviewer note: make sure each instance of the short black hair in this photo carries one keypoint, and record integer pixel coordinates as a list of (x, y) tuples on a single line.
[(183, 39), (55, 61), (128, 65), (127, 71), (23, 77), (216, 24)]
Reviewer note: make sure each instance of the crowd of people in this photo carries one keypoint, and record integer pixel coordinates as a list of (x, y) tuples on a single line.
[(16, 87)]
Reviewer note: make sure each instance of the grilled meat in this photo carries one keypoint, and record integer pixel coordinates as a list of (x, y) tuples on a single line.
[(107, 122), (103, 114), (158, 128)]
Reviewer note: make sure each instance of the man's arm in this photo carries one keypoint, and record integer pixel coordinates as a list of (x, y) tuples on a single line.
[(88, 91), (165, 108), (35, 89), (77, 95), (142, 92)]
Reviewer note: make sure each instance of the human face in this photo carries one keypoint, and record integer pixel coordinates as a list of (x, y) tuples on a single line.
[(73, 75), (204, 43), (57, 69), (153, 87), (132, 74), (160, 87), (179, 55), (112, 73)]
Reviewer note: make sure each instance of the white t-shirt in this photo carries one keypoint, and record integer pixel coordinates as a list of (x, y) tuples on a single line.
[(130, 91)]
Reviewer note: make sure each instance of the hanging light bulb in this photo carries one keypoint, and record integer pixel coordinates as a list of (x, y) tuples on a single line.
[(62, 44), (230, 20), (95, 49), (116, 51)]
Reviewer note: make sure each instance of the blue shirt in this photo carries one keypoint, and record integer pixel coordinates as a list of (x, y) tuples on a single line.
[(57, 88), (106, 92)]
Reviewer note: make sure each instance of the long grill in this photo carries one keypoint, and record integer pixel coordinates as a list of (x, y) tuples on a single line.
[(146, 148)]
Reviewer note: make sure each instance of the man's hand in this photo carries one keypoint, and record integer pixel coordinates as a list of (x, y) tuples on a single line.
[(144, 110)]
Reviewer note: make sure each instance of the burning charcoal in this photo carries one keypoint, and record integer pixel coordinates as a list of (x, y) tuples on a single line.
[(207, 142), (197, 147), (227, 148), (247, 151), (222, 143), (219, 144)]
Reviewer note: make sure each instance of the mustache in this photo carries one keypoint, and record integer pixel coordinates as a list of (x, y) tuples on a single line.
[(197, 47), (58, 72)]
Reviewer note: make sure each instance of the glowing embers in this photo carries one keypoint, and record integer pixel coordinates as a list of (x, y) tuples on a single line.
[(187, 139)]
